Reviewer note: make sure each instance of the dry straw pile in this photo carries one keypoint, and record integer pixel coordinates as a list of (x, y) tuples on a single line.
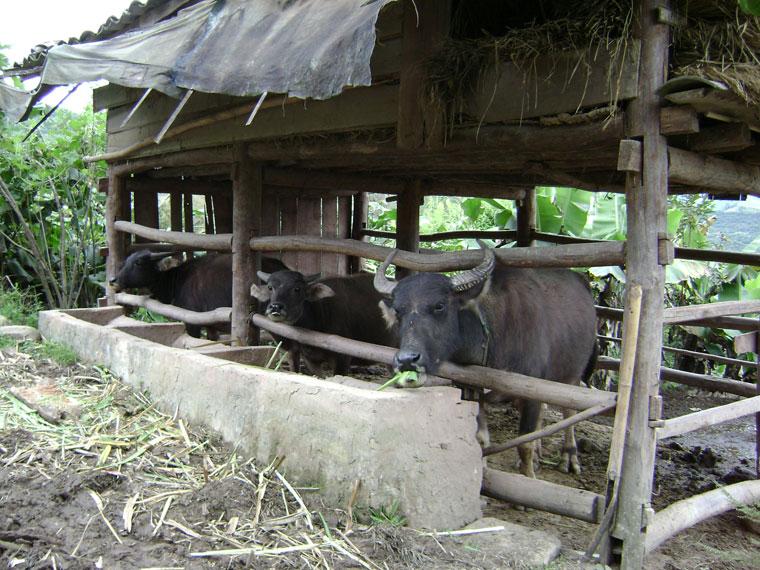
[(712, 39)]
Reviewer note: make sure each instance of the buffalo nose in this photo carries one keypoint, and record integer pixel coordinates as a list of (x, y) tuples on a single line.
[(406, 360), (275, 308)]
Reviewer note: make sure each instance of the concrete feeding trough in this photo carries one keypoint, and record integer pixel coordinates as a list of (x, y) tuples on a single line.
[(413, 447)]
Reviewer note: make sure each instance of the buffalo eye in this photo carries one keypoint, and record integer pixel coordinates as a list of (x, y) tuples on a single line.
[(270, 287), (439, 308), (296, 289)]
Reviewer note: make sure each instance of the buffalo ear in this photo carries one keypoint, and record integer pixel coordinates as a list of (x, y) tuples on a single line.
[(317, 291), (260, 293), (389, 313), (168, 263)]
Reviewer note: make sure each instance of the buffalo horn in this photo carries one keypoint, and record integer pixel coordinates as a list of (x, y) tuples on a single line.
[(476, 275), (160, 255), (382, 283)]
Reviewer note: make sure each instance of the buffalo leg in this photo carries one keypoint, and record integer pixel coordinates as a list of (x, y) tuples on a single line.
[(530, 421), (569, 459)]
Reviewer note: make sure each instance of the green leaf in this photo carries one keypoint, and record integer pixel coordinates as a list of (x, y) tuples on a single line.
[(750, 7), (472, 208), (673, 219)]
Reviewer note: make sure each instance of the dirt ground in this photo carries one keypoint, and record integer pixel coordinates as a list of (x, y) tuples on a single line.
[(106, 481)]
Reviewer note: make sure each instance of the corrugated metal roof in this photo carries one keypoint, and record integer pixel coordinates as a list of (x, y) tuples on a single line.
[(139, 13)]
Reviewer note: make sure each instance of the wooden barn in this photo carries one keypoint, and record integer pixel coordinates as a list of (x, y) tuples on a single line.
[(283, 116)]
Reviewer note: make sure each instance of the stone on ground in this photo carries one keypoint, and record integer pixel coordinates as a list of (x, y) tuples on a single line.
[(20, 332)]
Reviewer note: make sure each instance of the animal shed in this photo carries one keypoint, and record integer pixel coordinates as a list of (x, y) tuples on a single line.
[(443, 110)]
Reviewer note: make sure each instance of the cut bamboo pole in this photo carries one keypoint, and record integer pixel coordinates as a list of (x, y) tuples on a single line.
[(219, 315), (218, 242), (537, 494), (688, 512), (549, 430), (625, 380), (706, 418)]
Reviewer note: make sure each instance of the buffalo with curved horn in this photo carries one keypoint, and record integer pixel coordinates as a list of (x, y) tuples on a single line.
[(537, 322)]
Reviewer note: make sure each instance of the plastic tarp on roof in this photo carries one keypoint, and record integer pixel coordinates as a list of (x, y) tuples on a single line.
[(13, 102), (305, 48)]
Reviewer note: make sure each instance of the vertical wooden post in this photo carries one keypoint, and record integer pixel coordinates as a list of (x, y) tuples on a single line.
[(646, 211), (116, 241), (146, 211), (209, 214), (408, 220), (526, 219), (247, 190), (425, 24), (358, 223), (187, 201), (175, 206)]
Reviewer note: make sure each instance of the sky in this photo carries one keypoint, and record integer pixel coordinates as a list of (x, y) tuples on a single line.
[(26, 23)]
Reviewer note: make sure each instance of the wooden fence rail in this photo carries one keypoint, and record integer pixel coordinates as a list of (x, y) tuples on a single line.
[(508, 383), (582, 255), (216, 242), (705, 418), (688, 512), (219, 315)]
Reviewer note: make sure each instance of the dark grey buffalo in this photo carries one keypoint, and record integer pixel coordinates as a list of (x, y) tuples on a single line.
[(537, 322), (345, 306), (200, 284)]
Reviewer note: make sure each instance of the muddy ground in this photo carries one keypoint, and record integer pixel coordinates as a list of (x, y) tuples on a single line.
[(109, 482)]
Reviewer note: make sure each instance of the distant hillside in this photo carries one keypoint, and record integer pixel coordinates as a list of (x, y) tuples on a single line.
[(736, 225)]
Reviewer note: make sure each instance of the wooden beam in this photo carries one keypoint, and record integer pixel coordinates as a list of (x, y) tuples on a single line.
[(678, 121), (325, 180), (408, 219), (145, 210), (716, 174), (581, 255), (537, 494), (190, 158), (247, 190), (142, 184), (175, 211), (218, 242), (706, 418), (729, 137), (708, 100), (526, 219), (686, 513)]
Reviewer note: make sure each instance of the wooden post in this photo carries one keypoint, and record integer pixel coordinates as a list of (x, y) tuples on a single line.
[(358, 224), (408, 220), (187, 201), (146, 210), (247, 190), (646, 211), (175, 206), (425, 24), (117, 195), (526, 219)]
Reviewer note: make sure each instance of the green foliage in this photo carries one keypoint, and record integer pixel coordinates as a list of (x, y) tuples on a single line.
[(20, 307), (146, 316), (750, 7), (389, 515), (51, 213), (57, 352)]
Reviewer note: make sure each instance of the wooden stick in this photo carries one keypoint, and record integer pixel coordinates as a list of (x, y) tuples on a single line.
[(704, 381), (625, 381), (218, 242), (675, 315), (173, 117), (688, 512), (584, 255), (549, 430), (733, 323), (509, 383), (717, 174), (706, 418), (219, 315), (537, 494), (509, 235), (692, 353), (136, 106)]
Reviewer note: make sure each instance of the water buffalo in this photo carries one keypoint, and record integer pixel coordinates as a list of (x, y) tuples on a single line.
[(537, 322), (345, 306), (200, 284)]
